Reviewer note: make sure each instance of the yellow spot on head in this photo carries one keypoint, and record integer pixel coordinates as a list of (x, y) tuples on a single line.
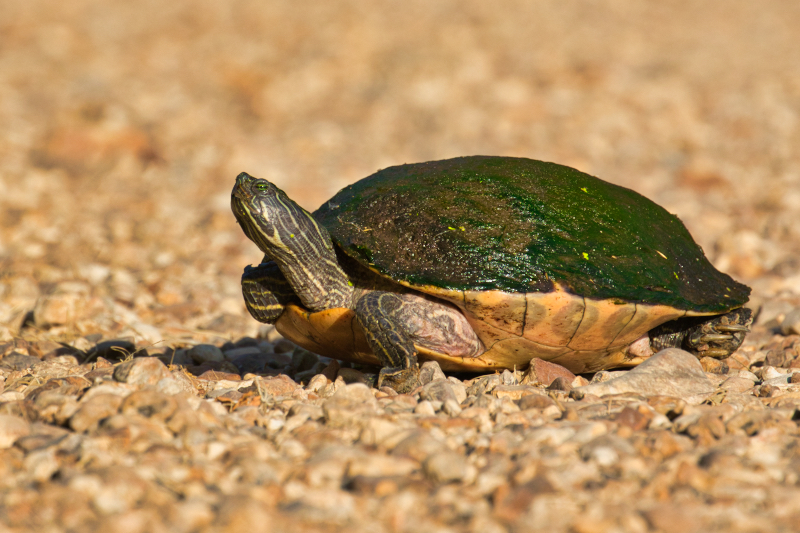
[(350, 283), (662, 255), (585, 255), (291, 235)]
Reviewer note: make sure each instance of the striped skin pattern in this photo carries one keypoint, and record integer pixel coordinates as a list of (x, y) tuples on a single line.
[(266, 291), (375, 312), (393, 323), (290, 236)]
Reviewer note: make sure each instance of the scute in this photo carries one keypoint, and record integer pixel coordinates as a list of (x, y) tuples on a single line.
[(524, 226), (554, 317), (602, 322), (505, 311)]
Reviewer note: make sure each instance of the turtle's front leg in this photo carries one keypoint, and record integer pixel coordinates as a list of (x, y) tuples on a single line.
[(380, 317), (266, 291)]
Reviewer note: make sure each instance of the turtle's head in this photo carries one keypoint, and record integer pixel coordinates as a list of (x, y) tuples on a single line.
[(268, 217)]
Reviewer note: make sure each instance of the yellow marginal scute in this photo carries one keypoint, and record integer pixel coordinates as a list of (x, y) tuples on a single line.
[(503, 310), (553, 317), (602, 322)]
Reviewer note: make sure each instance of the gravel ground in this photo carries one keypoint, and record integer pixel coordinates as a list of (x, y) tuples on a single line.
[(136, 393)]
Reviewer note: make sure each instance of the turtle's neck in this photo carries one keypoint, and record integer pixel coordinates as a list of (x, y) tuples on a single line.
[(290, 236)]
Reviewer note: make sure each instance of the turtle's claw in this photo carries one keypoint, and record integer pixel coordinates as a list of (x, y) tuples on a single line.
[(732, 328), (715, 338)]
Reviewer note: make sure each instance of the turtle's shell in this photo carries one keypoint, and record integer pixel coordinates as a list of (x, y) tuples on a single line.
[(543, 260), (520, 225)]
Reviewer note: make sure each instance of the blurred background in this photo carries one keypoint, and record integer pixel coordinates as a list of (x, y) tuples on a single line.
[(123, 125)]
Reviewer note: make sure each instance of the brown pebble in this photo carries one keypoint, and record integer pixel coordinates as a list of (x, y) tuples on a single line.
[(351, 375), (102, 362), (570, 414), (714, 366), (11, 429), (91, 412), (512, 502), (59, 309), (790, 325), (141, 371), (535, 401), (737, 384), (514, 392), (635, 418), (445, 467), (149, 403), (216, 375), (280, 385), (738, 361), (561, 383), (766, 391), (544, 372), (332, 370), (667, 405)]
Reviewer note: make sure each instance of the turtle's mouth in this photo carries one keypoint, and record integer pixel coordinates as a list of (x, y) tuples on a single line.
[(239, 194), (239, 207), (243, 188), (241, 200)]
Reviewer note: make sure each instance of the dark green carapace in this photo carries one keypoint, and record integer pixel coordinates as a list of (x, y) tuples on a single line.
[(519, 225)]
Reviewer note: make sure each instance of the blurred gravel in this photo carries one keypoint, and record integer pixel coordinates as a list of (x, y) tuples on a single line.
[(136, 393)]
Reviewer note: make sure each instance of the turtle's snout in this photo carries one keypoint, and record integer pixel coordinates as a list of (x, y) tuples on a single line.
[(243, 189), (243, 178), (243, 183)]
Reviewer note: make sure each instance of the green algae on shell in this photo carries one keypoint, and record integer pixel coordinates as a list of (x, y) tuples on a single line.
[(520, 225)]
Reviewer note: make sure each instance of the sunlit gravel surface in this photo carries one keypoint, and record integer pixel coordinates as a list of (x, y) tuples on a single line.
[(137, 394)]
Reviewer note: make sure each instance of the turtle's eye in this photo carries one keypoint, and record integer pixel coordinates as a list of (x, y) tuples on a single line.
[(261, 186)]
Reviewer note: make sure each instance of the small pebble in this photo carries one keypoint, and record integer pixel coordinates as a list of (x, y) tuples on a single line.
[(425, 408), (141, 371), (445, 467), (11, 429), (791, 322)]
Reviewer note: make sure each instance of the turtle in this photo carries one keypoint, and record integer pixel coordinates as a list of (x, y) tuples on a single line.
[(483, 263)]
